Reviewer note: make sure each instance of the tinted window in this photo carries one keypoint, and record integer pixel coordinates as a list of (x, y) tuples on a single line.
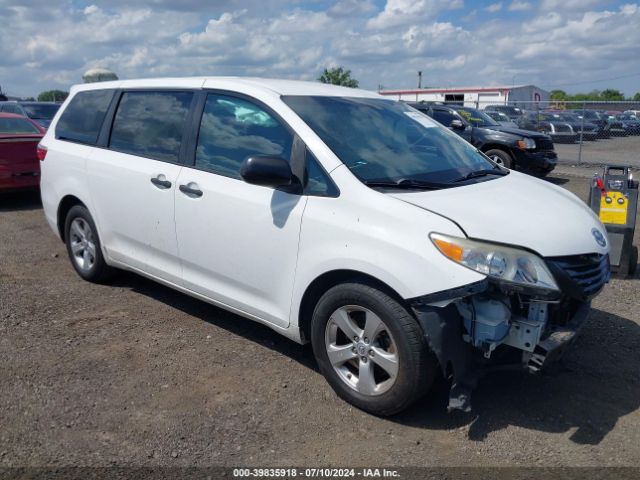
[(444, 117), (233, 129), (150, 124), (17, 125), (385, 140), (41, 110), (82, 119)]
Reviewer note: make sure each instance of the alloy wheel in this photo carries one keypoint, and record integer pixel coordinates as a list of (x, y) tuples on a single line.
[(83, 247), (361, 350)]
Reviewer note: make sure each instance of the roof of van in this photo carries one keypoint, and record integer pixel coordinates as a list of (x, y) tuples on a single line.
[(281, 87)]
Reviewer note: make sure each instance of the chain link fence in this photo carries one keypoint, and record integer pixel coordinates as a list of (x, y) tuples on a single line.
[(583, 132)]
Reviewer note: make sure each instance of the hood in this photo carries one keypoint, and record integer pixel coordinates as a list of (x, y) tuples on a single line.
[(516, 131), (517, 210)]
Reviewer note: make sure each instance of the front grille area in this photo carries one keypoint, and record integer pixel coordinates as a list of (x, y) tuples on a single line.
[(544, 144), (581, 276)]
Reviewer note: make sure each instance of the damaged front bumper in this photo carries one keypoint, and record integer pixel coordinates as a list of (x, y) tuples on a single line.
[(487, 325)]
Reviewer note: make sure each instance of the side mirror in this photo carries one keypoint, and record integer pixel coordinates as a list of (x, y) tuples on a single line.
[(266, 171), (457, 125)]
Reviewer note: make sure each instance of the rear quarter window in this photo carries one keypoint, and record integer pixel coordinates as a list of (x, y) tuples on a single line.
[(82, 120)]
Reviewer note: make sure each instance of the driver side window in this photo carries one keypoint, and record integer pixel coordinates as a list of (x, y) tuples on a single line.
[(233, 129)]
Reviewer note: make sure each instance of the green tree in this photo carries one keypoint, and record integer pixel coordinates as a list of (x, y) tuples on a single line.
[(53, 96), (338, 76), (636, 97), (612, 94), (559, 95)]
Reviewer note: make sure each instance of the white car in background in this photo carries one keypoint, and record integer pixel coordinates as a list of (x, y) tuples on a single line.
[(332, 215)]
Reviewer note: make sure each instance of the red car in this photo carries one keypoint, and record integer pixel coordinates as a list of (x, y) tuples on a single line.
[(19, 165)]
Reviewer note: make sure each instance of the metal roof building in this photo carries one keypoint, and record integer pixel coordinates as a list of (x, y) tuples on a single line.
[(517, 95)]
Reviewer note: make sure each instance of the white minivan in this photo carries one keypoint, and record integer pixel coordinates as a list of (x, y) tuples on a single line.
[(332, 215)]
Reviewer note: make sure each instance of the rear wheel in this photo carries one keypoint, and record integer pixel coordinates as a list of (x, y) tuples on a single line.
[(370, 349), (83, 245), (500, 157)]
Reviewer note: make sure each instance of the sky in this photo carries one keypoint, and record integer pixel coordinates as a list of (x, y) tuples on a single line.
[(574, 45)]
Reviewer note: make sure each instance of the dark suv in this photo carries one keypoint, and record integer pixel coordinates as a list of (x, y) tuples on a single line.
[(40, 112), (524, 150)]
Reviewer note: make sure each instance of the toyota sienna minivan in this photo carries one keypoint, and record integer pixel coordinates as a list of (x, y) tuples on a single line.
[(333, 215)]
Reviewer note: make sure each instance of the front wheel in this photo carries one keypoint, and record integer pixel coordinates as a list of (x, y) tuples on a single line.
[(371, 349), (500, 157)]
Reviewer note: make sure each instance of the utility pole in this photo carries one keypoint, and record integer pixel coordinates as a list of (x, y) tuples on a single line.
[(419, 79)]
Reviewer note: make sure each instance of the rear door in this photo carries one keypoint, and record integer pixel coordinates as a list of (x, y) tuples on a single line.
[(134, 177), (238, 242)]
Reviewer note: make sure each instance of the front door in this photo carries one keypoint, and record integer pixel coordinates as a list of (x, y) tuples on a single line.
[(238, 242)]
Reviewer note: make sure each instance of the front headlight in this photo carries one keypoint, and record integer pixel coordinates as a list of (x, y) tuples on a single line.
[(506, 264), (527, 144)]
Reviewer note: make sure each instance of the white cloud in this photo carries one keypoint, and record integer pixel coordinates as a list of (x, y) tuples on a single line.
[(381, 45), (494, 7), (398, 13), (519, 6)]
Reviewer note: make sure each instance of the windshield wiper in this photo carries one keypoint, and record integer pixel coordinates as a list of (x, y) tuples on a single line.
[(407, 184), (482, 173)]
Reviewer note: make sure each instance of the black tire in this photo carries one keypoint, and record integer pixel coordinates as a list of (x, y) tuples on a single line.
[(417, 366), (98, 271), (500, 157)]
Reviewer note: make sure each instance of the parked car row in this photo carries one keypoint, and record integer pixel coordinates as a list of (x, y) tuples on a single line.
[(568, 126), (503, 142)]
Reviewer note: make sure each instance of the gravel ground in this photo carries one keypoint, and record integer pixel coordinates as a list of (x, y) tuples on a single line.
[(135, 374), (621, 150)]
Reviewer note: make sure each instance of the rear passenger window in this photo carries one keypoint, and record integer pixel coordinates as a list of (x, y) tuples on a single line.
[(151, 124), (233, 129), (82, 119)]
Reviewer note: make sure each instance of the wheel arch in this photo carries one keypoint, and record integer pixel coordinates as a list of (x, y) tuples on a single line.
[(66, 204), (327, 280)]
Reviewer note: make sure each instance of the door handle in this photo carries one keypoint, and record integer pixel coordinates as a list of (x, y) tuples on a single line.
[(191, 191), (161, 182)]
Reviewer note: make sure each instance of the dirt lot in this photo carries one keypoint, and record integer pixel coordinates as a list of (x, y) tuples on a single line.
[(134, 374), (621, 150)]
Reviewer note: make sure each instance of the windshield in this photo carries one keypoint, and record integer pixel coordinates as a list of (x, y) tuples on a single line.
[(385, 141), (10, 125), (476, 117), (44, 110)]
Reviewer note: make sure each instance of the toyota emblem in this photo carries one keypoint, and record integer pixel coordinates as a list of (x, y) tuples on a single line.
[(599, 237)]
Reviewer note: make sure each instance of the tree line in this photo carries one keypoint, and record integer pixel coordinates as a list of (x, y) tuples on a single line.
[(607, 95)]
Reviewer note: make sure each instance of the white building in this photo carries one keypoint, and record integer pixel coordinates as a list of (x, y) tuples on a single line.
[(523, 96)]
